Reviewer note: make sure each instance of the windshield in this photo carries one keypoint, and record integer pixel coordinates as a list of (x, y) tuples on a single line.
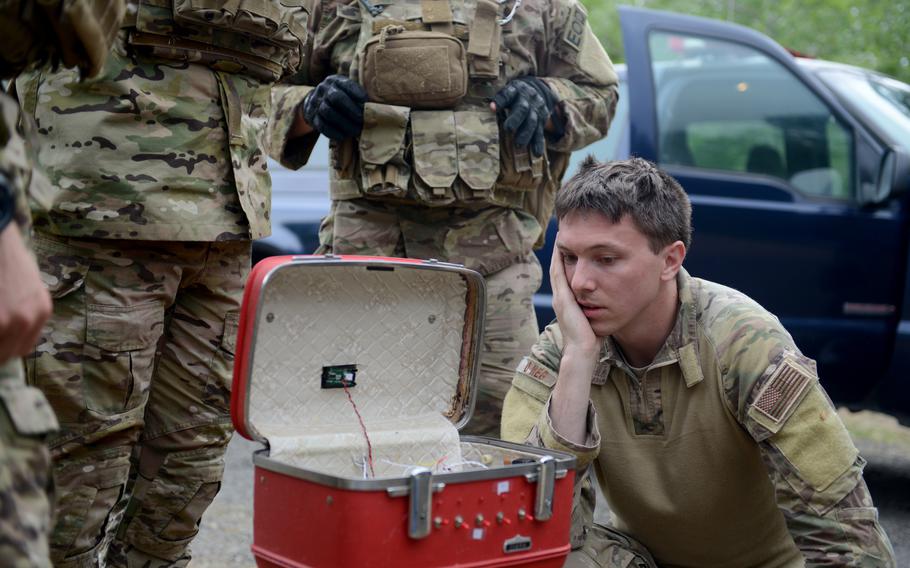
[(883, 101)]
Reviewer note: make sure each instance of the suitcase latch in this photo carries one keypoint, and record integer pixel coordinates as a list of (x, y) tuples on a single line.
[(420, 502), (546, 484), (420, 491)]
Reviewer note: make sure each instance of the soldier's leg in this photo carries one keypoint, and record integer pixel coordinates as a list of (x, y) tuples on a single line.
[(25, 471), (188, 422), (93, 363), (509, 332), (606, 547), (356, 227)]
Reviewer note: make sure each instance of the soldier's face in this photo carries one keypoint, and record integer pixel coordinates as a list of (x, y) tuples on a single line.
[(613, 273)]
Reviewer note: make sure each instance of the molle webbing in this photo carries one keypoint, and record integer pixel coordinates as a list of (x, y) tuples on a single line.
[(459, 30), (259, 38), (433, 68)]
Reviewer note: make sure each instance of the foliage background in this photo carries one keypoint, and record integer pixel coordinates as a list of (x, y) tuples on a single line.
[(867, 33)]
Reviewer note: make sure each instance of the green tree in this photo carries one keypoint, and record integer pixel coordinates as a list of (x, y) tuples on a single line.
[(868, 33)]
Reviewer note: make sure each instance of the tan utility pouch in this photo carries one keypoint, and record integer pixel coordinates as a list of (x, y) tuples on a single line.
[(484, 44), (435, 155), (521, 170), (382, 146), (477, 135), (417, 69)]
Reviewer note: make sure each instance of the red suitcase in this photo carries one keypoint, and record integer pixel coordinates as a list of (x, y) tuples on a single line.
[(355, 373)]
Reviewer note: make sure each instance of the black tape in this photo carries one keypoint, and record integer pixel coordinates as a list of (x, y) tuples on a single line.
[(339, 376)]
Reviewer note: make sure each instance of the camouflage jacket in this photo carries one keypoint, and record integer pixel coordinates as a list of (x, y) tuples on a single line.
[(17, 158), (684, 453), (547, 38), (155, 149)]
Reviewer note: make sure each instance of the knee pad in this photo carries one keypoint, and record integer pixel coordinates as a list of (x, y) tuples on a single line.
[(91, 495), (166, 517)]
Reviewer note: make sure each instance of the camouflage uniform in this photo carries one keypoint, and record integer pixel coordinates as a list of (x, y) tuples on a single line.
[(76, 33), (685, 452), (25, 416), (456, 189), (161, 182)]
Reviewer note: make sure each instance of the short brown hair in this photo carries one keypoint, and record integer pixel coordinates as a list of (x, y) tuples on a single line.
[(634, 187)]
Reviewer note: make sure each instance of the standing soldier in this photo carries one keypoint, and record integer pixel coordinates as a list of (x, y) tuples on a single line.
[(77, 34), (160, 182), (452, 123)]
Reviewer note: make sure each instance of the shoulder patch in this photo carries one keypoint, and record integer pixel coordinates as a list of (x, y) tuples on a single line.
[(536, 371), (781, 393), (574, 32)]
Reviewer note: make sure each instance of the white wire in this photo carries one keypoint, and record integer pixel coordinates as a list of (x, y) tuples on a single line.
[(466, 462)]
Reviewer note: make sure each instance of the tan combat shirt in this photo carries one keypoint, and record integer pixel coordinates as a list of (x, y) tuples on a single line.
[(727, 452)]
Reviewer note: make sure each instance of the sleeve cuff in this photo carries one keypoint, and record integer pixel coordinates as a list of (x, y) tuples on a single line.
[(584, 453), (295, 152)]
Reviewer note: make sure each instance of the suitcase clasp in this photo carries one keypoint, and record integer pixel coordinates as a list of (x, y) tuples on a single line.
[(546, 484), (420, 502)]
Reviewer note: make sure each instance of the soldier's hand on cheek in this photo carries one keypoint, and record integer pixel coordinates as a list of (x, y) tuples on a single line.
[(24, 302), (576, 330), (335, 107), (524, 106)]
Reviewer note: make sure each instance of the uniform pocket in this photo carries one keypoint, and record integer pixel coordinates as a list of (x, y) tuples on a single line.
[(435, 155), (382, 144), (119, 354)]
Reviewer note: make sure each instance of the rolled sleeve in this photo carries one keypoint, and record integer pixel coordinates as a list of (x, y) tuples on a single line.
[(584, 453)]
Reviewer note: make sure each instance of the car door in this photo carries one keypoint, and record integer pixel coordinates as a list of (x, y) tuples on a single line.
[(778, 173)]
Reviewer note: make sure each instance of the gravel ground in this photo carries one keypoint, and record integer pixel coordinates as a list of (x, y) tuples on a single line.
[(226, 534)]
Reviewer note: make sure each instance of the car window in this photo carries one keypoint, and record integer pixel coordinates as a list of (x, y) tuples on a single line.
[(882, 101), (726, 106)]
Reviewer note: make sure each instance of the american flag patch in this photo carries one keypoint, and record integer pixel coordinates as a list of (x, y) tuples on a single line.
[(782, 391)]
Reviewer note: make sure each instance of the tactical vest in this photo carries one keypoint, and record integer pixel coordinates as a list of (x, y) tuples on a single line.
[(264, 39), (430, 69), (78, 33)]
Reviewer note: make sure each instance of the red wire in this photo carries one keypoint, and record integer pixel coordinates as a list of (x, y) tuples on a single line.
[(362, 427)]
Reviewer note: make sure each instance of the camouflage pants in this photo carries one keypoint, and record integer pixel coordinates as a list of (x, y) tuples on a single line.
[(511, 271), (25, 471), (136, 361), (606, 547)]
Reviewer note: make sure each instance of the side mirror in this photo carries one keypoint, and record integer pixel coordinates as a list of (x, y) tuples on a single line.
[(893, 175)]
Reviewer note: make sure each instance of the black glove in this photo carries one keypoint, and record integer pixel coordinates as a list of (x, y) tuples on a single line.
[(525, 104), (335, 107)]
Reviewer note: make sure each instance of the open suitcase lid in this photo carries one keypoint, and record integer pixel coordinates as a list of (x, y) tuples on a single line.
[(402, 335)]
